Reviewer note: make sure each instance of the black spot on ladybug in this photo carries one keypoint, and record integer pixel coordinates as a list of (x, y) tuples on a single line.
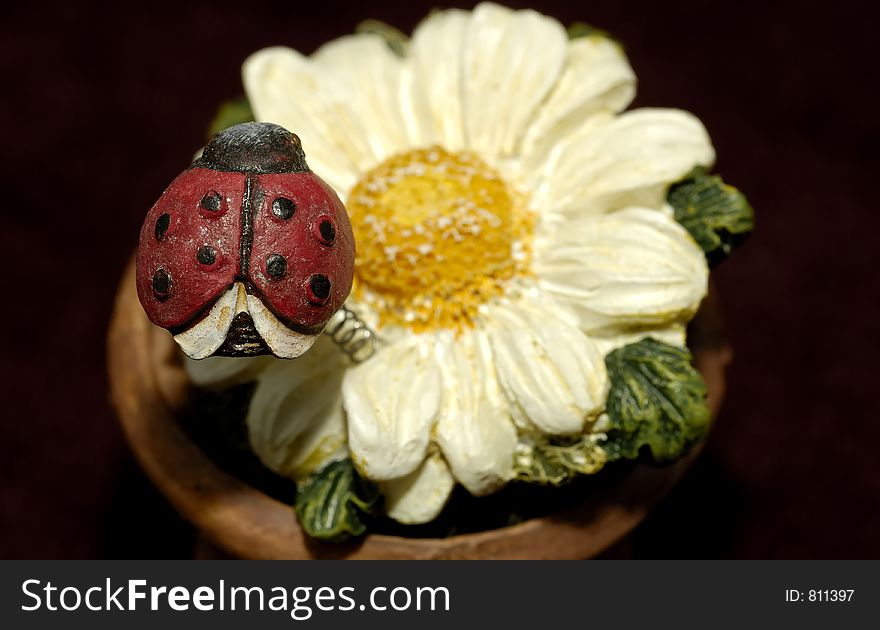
[(162, 226), (161, 285), (283, 208), (206, 255), (328, 232), (211, 201), (319, 288), (276, 266)]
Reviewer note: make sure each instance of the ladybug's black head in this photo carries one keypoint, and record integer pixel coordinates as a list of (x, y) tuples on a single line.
[(254, 147)]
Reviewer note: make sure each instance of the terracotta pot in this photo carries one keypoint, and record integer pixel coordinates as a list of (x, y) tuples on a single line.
[(148, 386)]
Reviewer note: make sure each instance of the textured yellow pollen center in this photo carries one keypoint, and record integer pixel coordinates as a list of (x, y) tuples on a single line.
[(438, 234)]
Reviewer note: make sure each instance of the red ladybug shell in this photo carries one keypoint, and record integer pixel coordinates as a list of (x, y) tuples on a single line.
[(316, 242), (233, 218), (175, 248)]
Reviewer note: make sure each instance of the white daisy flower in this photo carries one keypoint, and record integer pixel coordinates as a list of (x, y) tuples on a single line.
[(511, 230)]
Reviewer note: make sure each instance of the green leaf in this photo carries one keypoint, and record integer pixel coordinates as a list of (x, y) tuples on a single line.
[(581, 29), (717, 215), (396, 40), (557, 460), (231, 113), (334, 503), (657, 402)]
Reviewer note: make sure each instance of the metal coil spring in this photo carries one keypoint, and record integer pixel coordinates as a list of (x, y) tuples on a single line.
[(352, 335)]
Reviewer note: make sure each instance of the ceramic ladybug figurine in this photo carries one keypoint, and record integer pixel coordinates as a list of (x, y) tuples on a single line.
[(247, 252)]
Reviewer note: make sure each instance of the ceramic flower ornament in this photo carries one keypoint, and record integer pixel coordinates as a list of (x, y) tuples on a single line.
[(523, 253)]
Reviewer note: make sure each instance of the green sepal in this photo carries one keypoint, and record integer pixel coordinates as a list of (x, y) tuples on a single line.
[(656, 402), (556, 460), (396, 40), (335, 503), (716, 214), (577, 30), (232, 112)]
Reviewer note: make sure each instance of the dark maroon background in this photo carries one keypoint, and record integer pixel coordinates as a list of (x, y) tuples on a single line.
[(103, 106)]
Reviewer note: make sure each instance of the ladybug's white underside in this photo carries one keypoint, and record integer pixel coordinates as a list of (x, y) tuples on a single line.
[(204, 338)]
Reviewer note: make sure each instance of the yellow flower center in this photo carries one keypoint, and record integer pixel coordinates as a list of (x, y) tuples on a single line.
[(438, 234)]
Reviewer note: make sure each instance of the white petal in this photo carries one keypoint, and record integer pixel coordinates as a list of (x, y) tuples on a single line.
[(511, 60), (673, 335), (222, 372), (372, 76), (392, 401), (474, 429), (630, 268), (288, 89), (436, 48), (421, 495), (295, 419), (551, 373), (597, 78), (609, 159)]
